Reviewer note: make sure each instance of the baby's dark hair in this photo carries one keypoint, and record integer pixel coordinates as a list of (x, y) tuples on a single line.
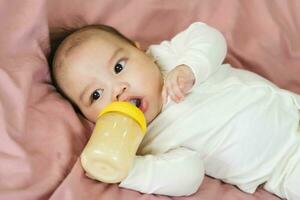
[(57, 38)]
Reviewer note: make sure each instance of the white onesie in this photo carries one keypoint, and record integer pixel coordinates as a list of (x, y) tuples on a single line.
[(233, 125)]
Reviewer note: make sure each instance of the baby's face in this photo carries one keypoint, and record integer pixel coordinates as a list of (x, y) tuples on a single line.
[(104, 69)]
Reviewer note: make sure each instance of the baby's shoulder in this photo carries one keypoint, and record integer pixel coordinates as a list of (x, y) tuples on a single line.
[(228, 76)]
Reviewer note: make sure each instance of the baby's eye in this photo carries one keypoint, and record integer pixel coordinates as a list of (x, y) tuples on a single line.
[(119, 66), (97, 94)]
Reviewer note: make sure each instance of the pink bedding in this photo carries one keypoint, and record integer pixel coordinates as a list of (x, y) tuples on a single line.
[(41, 136)]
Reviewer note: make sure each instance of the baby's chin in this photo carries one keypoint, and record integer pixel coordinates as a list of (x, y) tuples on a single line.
[(153, 115)]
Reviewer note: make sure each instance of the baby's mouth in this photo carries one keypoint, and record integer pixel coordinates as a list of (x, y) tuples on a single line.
[(136, 101), (140, 103)]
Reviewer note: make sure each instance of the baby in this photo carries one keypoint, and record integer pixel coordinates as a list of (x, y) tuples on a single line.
[(204, 117)]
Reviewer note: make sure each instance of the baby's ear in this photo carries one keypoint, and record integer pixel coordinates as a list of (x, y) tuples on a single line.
[(137, 44)]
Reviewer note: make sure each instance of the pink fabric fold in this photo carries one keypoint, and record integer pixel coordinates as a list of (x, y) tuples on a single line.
[(40, 135)]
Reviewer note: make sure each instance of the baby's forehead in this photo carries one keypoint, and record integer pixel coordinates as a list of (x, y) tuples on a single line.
[(78, 38)]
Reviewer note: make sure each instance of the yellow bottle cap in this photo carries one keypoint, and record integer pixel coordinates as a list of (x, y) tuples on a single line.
[(128, 109)]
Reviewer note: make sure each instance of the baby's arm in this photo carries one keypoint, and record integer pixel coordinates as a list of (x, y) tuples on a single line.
[(200, 47), (178, 172)]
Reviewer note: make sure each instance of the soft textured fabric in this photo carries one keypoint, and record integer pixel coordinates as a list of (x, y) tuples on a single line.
[(42, 136), (244, 128), (38, 144)]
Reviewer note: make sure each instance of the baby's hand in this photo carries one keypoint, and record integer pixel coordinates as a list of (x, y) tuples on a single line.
[(177, 83)]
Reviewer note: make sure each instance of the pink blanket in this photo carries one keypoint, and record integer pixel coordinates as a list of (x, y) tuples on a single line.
[(41, 136)]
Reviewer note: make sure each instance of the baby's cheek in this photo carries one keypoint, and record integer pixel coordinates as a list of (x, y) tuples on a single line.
[(149, 118), (90, 114)]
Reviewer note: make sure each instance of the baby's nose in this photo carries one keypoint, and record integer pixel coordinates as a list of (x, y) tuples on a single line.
[(119, 92)]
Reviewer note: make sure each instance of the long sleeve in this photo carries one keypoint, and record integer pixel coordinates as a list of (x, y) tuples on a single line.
[(200, 47), (178, 172)]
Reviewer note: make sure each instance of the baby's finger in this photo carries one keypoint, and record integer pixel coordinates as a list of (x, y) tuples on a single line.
[(175, 93), (184, 85), (168, 89), (172, 95), (178, 93), (178, 89)]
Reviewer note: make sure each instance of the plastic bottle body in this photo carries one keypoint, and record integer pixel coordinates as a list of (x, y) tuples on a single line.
[(109, 154)]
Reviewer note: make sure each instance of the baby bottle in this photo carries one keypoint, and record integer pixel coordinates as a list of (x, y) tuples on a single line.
[(110, 151)]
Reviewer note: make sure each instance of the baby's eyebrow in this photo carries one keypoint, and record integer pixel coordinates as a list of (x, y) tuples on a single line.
[(74, 43), (116, 52)]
